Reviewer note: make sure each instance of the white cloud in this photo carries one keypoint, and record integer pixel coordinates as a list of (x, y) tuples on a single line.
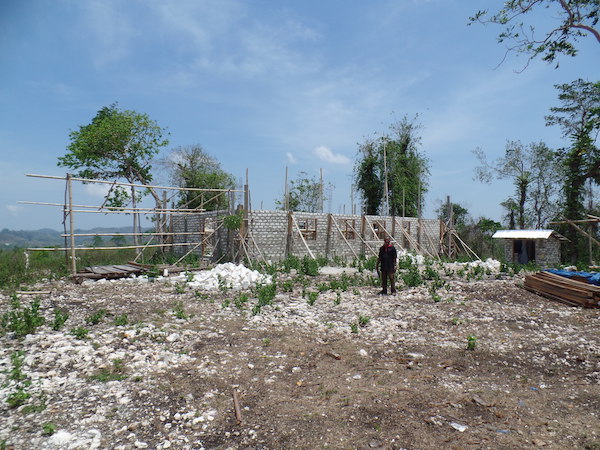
[(97, 189), (290, 158), (325, 154), (14, 210)]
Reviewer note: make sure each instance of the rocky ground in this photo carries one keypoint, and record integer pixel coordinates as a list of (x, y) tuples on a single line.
[(166, 365)]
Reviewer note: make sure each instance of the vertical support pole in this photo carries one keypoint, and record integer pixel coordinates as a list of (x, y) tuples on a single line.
[(136, 237), (363, 227), (163, 225), (289, 243), (450, 226), (321, 192), (286, 193), (328, 242), (71, 225)]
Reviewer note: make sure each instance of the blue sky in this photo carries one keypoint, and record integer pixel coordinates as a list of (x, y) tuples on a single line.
[(267, 84)]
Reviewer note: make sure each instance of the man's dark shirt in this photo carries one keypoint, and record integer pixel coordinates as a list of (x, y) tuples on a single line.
[(387, 258)]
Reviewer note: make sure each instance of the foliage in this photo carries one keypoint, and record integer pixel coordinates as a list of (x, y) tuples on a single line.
[(533, 170), (305, 194), (97, 317), (121, 320), (579, 118), (471, 342), (309, 266), (192, 167), (395, 158), (22, 320), (265, 294), (116, 144), (234, 221), (115, 373), (80, 333), (460, 215), (60, 317), (412, 277), (567, 21)]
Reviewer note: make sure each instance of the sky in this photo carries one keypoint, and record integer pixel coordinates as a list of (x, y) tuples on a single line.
[(263, 85)]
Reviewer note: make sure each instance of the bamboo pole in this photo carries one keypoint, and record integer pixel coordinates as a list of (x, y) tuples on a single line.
[(302, 237), (343, 237), (71, 226), (145, 186), (120, 209)]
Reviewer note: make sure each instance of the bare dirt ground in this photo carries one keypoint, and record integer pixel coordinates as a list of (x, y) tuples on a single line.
[(353, 370)]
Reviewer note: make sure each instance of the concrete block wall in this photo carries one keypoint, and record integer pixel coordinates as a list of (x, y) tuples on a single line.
[(270, 236), (547, 252)]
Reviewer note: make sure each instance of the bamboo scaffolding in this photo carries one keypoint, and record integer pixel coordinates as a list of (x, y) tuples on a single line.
[(124, 247), (132, 234), (126, 209), (302, 237), (199, 243), (343, 237), (364, 241), (145, 186)]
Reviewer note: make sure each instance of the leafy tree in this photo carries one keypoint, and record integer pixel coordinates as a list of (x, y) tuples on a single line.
[(117, 144), (367, 173), (579, 118), (568, 20), (532, 169), (393, 161), (460, 215), (304, 194), (192, 167)]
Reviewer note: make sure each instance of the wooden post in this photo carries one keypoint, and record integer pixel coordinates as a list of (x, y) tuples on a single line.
[(286, 193), (328, 242), (450, 226), (363, 226), (71, 226), (289, 239)]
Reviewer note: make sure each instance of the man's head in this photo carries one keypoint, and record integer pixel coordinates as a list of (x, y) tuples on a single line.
[(386, 240)]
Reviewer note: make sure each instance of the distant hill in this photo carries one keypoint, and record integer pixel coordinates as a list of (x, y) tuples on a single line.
[(46, 237)]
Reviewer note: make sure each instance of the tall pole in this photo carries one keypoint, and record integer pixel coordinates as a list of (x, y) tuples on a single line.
[(385, 179), (286, 194), (321, 192), (71, 226)]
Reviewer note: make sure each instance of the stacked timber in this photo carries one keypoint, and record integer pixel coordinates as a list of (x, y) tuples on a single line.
[(565, 290)]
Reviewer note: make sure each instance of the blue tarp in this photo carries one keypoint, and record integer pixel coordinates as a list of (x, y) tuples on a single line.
[(590, 277)]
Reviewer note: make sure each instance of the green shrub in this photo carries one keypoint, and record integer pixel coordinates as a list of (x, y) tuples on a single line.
[(60, 317), (309, 266), (97, 317), (21, 320), (412, 277), (80, 332)]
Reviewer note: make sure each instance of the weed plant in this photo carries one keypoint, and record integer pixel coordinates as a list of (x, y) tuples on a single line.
[(471, 342), (412, 277), (121, 320), (115, 373), (312, 297), (265, 294), (97, 317), (60, 317), (363, 321), (22, 320), (179, 312), (80, 333)]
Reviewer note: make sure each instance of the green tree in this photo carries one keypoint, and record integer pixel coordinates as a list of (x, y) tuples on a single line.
[(579, 118), (393, 162), (532, 169), (117, 144), (192, 167), (566, 21), (305, 194), (460, 215)]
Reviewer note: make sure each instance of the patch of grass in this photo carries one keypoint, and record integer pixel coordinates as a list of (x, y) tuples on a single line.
[(412, 277), (363, 321), (48, 429), (121, 320), (180, 288), (17, 398), (354, 327), (240, 300), (312, 297), (60, 317), (97, 317), (471, 342), (115, 373), (80, 332), (22, 320), (265, 294), (179, 312)]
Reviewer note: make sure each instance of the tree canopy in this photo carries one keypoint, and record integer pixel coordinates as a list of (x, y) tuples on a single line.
[(191, 167), (117, 144), (305, 194), (566, 21), (393, 162)]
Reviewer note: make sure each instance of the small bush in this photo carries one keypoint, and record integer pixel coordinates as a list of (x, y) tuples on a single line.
[(80, 332), (97, 317), (21, 320), (60, 317)]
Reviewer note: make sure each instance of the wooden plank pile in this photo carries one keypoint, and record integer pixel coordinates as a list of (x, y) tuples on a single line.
[(110, 271), (563, 289)]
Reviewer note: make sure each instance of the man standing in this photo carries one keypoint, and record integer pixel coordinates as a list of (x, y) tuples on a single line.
[(387, 261)]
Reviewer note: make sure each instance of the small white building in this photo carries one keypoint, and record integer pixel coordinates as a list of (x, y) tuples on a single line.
[(539, 246)]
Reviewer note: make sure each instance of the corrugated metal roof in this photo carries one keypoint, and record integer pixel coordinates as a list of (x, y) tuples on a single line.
[(524, 234)]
